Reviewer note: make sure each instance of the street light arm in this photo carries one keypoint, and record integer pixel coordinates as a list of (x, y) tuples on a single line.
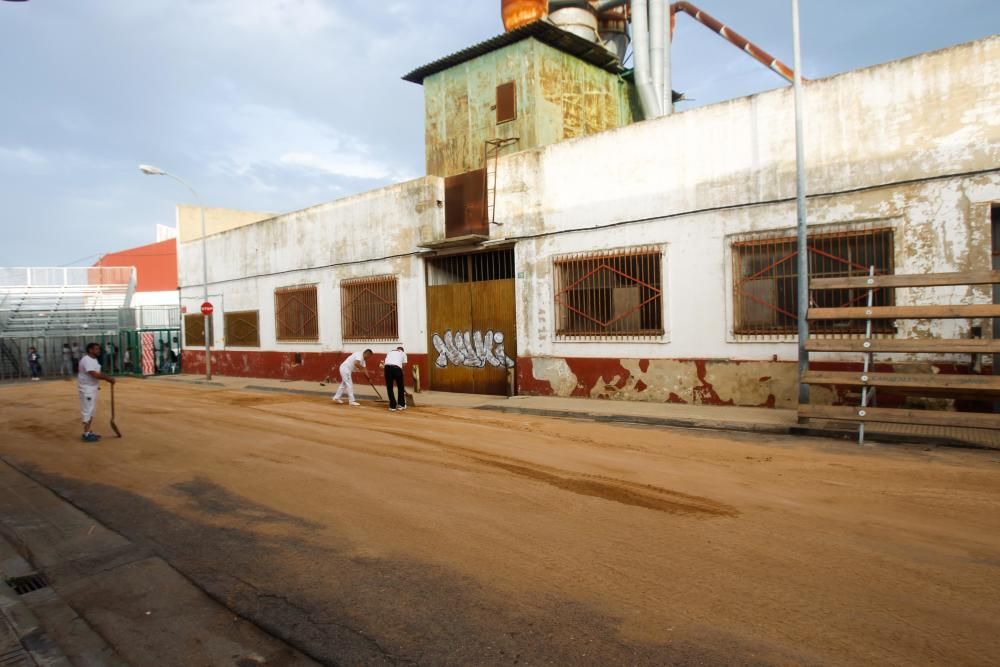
[(185, 184)]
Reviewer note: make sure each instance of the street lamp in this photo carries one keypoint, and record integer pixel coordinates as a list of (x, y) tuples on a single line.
[(156, 171)]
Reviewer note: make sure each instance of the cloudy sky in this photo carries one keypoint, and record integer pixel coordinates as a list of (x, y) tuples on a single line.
[(274, 105)]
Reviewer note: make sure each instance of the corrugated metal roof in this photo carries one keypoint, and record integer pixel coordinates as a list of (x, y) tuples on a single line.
[(543, 31)]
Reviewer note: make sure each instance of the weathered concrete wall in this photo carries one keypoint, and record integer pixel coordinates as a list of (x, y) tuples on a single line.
[(371, 234), (912, 145), (216, 220), (559, 97), (700, 179)]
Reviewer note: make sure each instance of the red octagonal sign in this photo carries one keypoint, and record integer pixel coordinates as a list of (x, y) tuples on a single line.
[(207, 309)]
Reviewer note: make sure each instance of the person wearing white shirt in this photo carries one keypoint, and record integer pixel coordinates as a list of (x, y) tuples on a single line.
[(88, 380), (355, 362), (393, 368)]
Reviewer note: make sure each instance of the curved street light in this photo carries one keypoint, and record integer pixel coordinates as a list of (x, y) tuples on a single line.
[(150, 170)]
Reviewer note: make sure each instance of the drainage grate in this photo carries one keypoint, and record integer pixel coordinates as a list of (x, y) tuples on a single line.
[(28, 583)]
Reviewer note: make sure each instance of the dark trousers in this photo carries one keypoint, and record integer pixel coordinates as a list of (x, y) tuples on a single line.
[(393, 379)]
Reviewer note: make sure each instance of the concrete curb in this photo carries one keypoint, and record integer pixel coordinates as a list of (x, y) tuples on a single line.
[(746, 427), (831, 432)]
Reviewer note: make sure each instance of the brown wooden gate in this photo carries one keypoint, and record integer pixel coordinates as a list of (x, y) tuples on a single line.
[(471, 324)]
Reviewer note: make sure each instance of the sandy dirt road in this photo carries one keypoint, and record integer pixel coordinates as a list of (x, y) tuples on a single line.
[(464, 537)]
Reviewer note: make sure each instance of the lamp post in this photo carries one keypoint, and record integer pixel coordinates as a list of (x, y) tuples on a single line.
[(802, 237), (156, 171)]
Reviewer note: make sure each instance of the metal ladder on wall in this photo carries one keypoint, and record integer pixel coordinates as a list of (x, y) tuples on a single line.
[(491, 151)]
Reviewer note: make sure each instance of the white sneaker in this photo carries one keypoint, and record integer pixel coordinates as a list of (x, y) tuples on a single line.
[(402, 407), (355, 403), (337, 400), (393, 409)]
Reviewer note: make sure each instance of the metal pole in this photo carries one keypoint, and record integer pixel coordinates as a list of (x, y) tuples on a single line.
[(803, 247), (668, 85), (204, 274)]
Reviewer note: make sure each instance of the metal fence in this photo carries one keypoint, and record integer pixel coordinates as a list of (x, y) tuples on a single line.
[(122, 353)]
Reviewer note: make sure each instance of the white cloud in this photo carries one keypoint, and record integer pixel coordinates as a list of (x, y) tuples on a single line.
[(22, 155), (290, 17), (266, 138)]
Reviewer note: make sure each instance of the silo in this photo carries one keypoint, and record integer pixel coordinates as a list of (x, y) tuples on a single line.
[(517, 13)]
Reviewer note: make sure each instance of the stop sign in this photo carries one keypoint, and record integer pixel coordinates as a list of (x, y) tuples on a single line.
[(207, 309)]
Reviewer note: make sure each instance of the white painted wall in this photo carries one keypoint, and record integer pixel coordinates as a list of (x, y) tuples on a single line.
[(698, 178), (164, 298), (371, 234)]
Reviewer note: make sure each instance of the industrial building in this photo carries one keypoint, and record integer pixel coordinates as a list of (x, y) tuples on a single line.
[(574, 238)]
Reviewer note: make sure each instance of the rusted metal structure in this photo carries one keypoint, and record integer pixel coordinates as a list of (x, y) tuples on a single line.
[(733, 37), (517, 13), (604, 22)]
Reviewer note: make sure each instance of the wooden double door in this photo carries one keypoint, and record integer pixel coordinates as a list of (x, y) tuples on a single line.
[(471, 322)]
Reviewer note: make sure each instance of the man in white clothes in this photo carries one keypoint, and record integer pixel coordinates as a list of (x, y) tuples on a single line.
[(355, 362), (87, 380), (393, 368)]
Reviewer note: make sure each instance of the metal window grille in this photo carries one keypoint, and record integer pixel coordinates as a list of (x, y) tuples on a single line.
[(610, 294), (242, 328), (368, 308), (194, 329), (475, 267), (296, 313), (765, 299)]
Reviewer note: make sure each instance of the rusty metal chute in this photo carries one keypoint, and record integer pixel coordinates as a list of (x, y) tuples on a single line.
[(734, 37)]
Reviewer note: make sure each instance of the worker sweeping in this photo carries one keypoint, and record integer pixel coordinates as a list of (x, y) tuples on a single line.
[(393, 365), (355, 362), (87, 380)]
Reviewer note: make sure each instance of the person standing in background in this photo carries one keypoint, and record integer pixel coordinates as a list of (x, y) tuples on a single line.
[(35, 364), (66, 368), (77, 354)]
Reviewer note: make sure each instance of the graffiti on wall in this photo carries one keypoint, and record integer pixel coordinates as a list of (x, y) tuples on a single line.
[(471, 349)]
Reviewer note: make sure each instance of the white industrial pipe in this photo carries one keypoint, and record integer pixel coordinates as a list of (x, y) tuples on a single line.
[(648, 97), (667, 99), (656, 29)]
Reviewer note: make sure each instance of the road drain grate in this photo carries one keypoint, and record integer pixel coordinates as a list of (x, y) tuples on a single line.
[(28, 583), (16, 658)]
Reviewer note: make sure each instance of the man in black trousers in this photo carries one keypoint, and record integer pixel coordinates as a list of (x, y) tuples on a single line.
[(393, 368)]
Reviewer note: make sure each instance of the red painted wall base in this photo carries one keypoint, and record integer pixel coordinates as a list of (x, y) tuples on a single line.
[(309, 366)]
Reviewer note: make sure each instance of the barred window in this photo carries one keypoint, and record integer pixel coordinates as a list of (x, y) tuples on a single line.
[(765, 270), (368, 308), (194, 329), (242, 329), (296, 313), (610, 294)]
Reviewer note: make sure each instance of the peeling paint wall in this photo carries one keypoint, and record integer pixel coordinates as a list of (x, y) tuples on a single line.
[(913, 145), (558, 95), (371, 234)]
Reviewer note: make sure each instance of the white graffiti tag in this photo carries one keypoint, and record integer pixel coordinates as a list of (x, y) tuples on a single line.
[(472, 349)]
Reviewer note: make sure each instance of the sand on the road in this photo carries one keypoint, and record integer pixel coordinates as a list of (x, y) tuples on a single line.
[(461, 536)]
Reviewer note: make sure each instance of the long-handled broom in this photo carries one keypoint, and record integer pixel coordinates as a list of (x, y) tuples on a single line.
[(114, 426)]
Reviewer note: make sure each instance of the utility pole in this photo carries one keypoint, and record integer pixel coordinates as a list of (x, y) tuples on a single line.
[(803, 242)]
